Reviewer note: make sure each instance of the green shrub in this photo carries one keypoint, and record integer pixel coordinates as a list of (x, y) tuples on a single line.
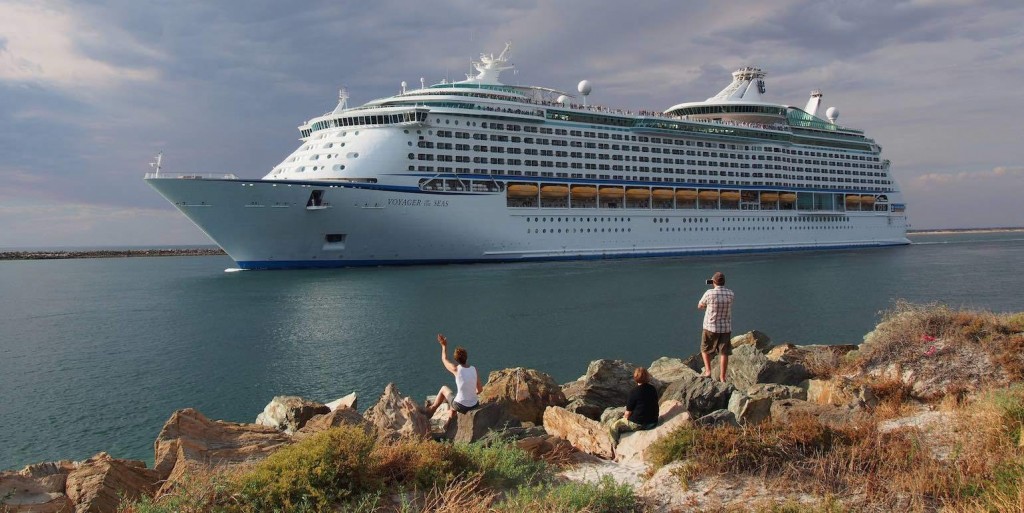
[(606, 496), (413, 462), (311, 475), (502, 464)]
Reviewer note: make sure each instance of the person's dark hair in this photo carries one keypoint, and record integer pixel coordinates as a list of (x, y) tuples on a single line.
[(640, 375), (718, 279), (461, 355)]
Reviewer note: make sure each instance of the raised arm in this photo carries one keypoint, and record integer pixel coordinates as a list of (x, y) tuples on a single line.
[(444, 354)]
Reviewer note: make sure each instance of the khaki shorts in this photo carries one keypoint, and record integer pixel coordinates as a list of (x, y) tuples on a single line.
[(715, 343)]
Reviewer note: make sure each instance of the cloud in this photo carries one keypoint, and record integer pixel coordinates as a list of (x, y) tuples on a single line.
[(42, 43), (998, 173)]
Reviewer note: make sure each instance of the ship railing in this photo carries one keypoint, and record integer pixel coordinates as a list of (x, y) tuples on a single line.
[(193, 176)]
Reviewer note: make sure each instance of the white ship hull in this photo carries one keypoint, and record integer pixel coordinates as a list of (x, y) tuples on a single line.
[(265, 224)]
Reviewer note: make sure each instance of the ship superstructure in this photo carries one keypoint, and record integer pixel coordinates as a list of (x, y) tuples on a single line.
[(477, 170)]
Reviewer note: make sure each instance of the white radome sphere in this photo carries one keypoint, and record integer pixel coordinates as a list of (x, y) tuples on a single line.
[(584, 88), (562, 99), (404, 85), (832, 113)]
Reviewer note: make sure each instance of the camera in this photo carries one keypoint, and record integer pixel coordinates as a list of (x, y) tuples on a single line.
[(710, 281)]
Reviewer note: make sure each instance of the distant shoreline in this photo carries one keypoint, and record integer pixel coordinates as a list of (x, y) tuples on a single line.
[(107, 253), (941, 231)]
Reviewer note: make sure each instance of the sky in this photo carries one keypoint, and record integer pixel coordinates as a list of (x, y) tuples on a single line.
[(91, 91)]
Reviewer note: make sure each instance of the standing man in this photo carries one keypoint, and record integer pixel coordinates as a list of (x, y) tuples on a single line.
[(717, 306)]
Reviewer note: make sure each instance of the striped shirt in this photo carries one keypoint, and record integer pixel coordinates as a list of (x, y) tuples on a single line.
[(718, 312)]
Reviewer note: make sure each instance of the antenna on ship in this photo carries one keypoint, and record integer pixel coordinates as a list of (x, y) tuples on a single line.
[(342, 100), (156, 164)]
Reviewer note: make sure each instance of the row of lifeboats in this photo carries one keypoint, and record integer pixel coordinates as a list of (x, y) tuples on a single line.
[(589, 192), (854, 199)]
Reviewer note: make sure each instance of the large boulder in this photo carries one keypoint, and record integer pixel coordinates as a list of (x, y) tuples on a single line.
[(99, 484), (341, 416), (785, 410), (754, 338), (754, 406), (475, 424), (21, 493), (717, 418), (667, 370), (189, 441), (840, 391), (583, 433), (606, 384), (699, 395), (523, 393), (632, 447), (289, 413), (397, 415), (348, 401), (748, 367), (820, 361)]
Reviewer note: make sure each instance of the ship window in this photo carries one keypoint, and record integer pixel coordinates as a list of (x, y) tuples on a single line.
[(316, 198), (334, 237)]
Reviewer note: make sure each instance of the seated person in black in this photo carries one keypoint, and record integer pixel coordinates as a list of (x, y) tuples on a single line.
[(641, 407)]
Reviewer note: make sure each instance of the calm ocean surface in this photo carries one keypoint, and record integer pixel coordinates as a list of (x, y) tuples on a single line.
[(96, 354)]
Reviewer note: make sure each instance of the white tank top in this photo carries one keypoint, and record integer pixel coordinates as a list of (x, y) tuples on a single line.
[(465, 383)]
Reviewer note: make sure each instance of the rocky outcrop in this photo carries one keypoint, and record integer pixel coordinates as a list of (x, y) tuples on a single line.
[(748, 367), (583, 433), (99, 483), (26, 493), (341, 416), (667, 370), (475, 424), (840, 391), (699, 395), (835, 416), (818, 360), (189, 440), (348, 401), (289, 413), (632, 447), (543, 446), (523, 393), (717, 418), (755, 339), (397, 415), (755, 405), (605, 385)]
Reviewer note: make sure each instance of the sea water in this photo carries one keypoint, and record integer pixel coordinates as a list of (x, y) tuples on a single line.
[(96, 354)]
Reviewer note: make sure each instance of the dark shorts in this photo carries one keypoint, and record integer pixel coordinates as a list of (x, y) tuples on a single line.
[(715, 343), (461, 408)]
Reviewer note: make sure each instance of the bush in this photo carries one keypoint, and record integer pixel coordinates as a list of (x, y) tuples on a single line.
[(501, 464), (606, 496)]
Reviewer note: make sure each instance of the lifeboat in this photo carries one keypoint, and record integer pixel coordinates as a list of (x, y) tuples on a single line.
[(686, 194), (554, 191), (769, 197), (612, 192), (663, 194), (787, 197), (867, 200), (522, 190), (584, 192), (853, 199), (708, 195), (730, 196), (637, 194)]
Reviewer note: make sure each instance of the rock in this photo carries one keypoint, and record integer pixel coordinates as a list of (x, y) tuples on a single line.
[(610, 415), (98, 485), (666, 370), (583, 433), (349, 401), (840, 391), (52, 475), (397, 415), (820, 361), (632, 447), (523, 393), (289, 413), (784, 410), (475, 424), (755, 405), (699, 395), (605, 385), (340, 416), (543, 446), (189, 440), (717, 418), (748, 367), (755, 339), (21, 493), (442, 422)]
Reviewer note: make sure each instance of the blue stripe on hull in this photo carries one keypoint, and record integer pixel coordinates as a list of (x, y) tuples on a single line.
[(329, 264)]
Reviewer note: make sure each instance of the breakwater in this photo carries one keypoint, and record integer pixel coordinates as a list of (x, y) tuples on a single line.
[(108, 253)]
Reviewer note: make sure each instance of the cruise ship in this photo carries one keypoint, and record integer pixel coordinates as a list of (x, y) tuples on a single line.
[(481, 171)]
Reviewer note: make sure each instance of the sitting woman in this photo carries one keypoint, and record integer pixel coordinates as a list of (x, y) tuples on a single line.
[(641, 407), (467, 381)]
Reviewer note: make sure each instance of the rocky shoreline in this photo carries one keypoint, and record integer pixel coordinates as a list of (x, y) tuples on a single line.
[(108, 253), (825, 387)]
